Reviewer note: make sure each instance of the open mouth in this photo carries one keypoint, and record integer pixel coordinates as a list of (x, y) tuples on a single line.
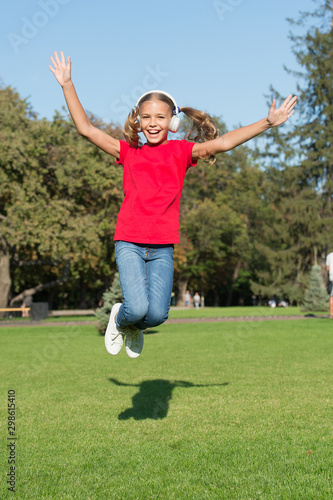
[(153, 132)]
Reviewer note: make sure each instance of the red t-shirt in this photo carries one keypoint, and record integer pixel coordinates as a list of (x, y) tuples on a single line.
[(152, 184)]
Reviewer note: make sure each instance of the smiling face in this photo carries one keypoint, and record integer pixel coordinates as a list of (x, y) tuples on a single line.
[(155, 118)]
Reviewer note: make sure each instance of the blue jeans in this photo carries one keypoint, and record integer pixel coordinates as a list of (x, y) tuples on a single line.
[(146, 276)]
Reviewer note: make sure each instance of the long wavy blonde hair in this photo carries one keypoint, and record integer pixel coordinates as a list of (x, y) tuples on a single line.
[(202, 128)]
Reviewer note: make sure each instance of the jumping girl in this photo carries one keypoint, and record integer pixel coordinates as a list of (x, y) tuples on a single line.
[(153, 175)]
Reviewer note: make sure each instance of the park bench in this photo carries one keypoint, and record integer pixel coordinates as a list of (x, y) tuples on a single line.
[(14, 309), (8, 309)]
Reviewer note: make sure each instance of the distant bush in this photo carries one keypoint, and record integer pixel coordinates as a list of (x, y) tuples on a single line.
[(316, 297), (111, 297)]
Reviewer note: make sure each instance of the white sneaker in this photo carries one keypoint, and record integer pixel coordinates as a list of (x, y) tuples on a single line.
[(134, 343), (114, 339)]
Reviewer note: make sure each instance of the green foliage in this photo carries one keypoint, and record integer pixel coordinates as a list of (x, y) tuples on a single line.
[(110, 297), (316, 297), (59, 198), (220, 211), (254, 222), (299, 168)]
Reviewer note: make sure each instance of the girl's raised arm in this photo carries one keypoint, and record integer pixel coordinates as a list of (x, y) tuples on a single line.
[(62, 71), (236, 137)]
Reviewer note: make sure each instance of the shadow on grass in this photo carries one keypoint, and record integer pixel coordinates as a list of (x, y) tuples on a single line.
[(152, 400), (312, 315), (151, 331)]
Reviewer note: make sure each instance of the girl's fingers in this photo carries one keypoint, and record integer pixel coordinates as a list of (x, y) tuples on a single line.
[(60, 63), (57, 57), (273, 105), (291, 105), (287, 100)]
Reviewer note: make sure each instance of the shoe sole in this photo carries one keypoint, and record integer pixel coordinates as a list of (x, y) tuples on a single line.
[(107, 338), (129, 352)]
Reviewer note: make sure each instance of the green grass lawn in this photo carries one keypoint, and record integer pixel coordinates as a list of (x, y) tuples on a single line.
[(238, 410), (236, 312)]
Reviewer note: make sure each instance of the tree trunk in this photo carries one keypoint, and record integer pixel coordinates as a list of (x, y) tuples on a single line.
[(83, 293), (51, 295), (43, 286), (5, 280), (315, 256), (234, 279), (216, 297), (181, 289)]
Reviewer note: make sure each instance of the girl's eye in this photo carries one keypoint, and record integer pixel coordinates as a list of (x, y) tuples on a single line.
[(159, 117)]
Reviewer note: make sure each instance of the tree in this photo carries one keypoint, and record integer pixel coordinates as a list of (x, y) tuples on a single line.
[(219, 217), (314, 52), (316, 297), (92, 181), (5, 280), (22, 142), (59, 202), (299, 165)]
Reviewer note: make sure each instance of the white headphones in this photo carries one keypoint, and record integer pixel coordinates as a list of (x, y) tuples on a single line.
[(175, 120)]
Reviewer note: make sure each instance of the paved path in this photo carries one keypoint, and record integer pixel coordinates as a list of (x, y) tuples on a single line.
[(170, 321)]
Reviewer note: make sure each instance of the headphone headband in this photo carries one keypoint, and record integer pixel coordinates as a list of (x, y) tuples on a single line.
[(176, 110)]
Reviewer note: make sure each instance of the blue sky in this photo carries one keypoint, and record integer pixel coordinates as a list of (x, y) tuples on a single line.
[(217, 55)]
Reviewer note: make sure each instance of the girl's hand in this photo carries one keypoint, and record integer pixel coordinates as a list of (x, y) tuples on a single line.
[(278, 116), (61, 69)]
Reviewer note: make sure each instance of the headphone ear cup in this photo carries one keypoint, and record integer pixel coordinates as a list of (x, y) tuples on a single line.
[(174, 124)]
